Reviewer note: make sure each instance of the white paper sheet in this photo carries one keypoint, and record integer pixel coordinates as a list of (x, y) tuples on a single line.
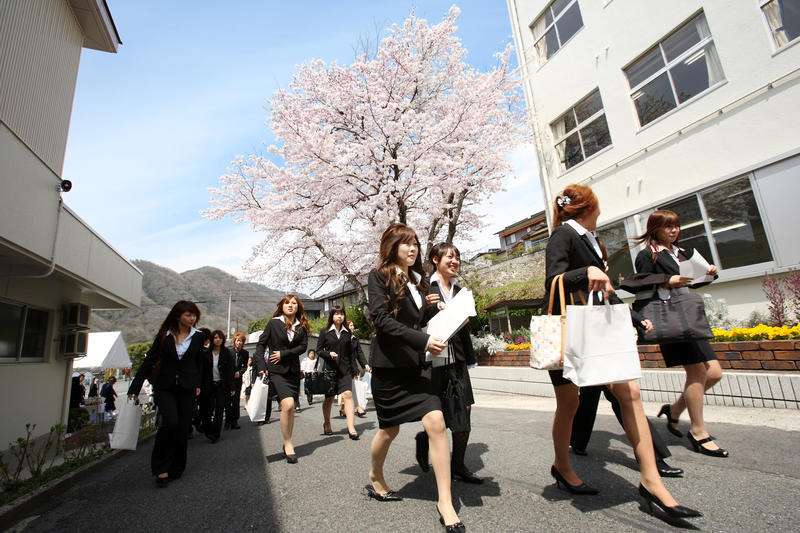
[(449, 320), (696, 267)]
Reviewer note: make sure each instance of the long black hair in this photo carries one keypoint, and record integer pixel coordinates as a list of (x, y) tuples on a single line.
[(336, 309), (440, 250), (172, 321)]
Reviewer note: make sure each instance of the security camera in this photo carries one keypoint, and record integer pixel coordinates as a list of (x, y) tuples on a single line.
[(65, 186)]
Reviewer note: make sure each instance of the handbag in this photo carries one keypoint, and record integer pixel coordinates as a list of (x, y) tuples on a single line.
[(600, 345), (681, 318), (126, 429), (548, 332), (360, 393), (256, 406), (454, 407), (321, 382)]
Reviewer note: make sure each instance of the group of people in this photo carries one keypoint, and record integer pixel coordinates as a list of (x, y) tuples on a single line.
[(414, 375)]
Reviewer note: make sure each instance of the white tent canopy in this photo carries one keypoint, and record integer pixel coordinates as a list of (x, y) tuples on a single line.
[(106, 350)]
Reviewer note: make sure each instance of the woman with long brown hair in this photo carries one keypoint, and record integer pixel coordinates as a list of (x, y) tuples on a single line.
[(286, 337), (401, 389), (574, 251), (658, 276), (173, 366)]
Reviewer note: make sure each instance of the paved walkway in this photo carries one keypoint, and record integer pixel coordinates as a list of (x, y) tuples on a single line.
[(241, 483)]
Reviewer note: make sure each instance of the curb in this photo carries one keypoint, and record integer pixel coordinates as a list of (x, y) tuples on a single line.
[(12, 513)]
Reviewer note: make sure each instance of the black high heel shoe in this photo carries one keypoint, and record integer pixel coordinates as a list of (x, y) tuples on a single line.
[(697, 445), (676, 512), (353, 436), (458, 527), (388, 496), (326, 431), (582, 490), (290, 458), (666, 410)]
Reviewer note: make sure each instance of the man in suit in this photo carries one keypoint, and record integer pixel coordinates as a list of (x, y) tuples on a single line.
[(240, 357)]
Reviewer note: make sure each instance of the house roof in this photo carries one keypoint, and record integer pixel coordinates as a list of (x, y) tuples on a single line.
[(536, 218), (515, 304), (99, 30)]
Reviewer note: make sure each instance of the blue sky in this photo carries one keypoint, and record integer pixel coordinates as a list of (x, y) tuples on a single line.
[(154, 125)]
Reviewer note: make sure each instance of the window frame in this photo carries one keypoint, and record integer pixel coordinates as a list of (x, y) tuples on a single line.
[(21, 334), (561, 44), (578, 127), (668, 65), (771, 34)]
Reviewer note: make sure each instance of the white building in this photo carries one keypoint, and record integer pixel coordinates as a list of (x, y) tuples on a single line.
[(49, 258), (689, 105)]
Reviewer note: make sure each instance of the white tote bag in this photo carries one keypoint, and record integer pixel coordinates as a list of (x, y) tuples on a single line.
[(126, 429), (548, 332), (360, 393), (600, 344), (257, 405)]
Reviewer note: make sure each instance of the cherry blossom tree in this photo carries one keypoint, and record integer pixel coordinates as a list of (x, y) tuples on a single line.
[(410, 134)]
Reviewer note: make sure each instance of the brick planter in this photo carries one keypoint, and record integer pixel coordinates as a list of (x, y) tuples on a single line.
[(744, 355)]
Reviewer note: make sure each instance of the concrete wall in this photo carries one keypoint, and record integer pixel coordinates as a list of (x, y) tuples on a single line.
[(40, 48)]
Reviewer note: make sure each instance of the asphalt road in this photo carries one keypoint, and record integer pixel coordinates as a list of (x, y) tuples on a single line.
[(242, 483)]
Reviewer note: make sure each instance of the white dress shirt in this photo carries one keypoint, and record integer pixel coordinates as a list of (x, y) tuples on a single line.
[(446, 295), (214, 366), (181, 347), (289, 332), (412, 289), (583, 231)]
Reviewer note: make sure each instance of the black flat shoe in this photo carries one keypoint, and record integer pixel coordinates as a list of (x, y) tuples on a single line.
[(579, 451), (466, 476), (353, 436), (665, 470), (458, 527), (422, 451), (388, 496), (666, 410), (581, 490), (697, 445), (290, 458), (676, 512), (361, 415), (236, 426)]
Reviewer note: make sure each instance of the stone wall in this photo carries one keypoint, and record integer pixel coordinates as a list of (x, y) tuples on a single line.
[(520, 268)]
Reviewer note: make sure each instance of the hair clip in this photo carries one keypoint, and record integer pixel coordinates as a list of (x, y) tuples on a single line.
[(561, 201)]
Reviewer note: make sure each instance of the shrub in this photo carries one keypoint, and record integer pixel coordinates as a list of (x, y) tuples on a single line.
[(792, 283), (488, 343), (760, 332), (777, 300), (136, 352), (518, 347)]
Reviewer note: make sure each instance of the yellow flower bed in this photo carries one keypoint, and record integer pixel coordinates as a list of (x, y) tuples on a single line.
[(518, 347), (760, 332)]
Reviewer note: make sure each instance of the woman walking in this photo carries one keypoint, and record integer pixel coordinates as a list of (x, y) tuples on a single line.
[(401, 390), (446, 261), (574, 251), (174, 366), (218, 371), (335, 347), (286, 337), (658, 276)]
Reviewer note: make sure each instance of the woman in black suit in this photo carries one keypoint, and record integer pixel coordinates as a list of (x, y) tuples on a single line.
[(335, 347), (173, 366), (446, 261), (573, 250), (218, 372), (658, 276), (401, 387), (286, 338)]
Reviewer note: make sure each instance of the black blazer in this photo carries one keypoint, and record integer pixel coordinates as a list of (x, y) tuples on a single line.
[(225, 364), (358, 353), (162, 367), (651, 275), (241, 357), (399, 340), (275, 339), (343, 346), (461, 348), (572, 254)]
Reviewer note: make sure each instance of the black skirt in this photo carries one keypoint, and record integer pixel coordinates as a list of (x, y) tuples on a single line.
[(687, 353), (285, 385), (343, 384), (402, 395)]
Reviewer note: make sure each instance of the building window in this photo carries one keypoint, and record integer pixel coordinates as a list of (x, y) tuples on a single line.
[(783, 17), (554, 27), (23, 333), (581, 132), (618, 249), (680, 67), (724, 225)]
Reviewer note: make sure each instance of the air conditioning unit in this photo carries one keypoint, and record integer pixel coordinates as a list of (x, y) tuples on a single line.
[(76, 316), (74, 344)]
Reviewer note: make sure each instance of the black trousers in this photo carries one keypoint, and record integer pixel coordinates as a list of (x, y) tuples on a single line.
[(583, 423), (233, 404), (214, 399), (175, 405)]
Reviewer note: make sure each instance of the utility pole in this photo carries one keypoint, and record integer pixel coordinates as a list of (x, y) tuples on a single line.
[(228, 330)]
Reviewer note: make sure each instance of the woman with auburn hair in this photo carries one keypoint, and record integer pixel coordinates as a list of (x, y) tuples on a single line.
[(658, 276), (174, 367), (286, 337), (574, 251), (401, 386)]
